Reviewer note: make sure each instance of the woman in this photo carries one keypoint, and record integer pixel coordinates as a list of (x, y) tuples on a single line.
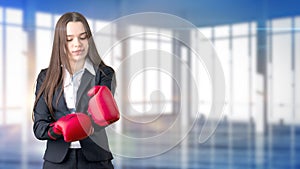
[(61, 91)]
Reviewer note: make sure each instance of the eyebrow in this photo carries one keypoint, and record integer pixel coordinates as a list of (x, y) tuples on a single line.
[(79, 34)]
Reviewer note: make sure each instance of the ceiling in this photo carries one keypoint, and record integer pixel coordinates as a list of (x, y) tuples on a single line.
[(199, 12)]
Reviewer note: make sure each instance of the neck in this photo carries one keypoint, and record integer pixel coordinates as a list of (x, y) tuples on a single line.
[(76, 66)]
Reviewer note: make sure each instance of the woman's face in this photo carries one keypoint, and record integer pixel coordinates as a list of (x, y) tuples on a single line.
[(77, 42)]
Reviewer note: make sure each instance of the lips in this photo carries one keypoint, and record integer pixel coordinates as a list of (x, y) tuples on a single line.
[(77, 52)]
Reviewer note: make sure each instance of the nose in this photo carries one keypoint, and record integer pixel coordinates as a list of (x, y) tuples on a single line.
[(77, 42)]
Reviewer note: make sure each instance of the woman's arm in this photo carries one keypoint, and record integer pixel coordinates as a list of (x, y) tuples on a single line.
[(107, 78), (42, 117)]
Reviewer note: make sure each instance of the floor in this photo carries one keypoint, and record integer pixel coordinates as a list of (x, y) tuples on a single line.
[(233, 146)]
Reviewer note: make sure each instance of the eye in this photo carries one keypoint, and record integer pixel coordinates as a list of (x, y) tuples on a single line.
[(69, 39), (83, 36)]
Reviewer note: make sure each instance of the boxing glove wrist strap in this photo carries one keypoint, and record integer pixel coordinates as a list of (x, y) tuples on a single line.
[(52, 133)]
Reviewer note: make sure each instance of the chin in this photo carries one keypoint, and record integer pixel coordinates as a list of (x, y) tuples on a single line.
[(78, 58)]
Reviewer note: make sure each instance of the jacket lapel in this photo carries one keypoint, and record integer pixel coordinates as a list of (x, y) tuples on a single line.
[(85, 85), (59, 106)]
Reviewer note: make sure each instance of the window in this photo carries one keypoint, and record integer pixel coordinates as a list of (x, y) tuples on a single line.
[(13, 63), (146, 49), (235, 47), (280, 71)]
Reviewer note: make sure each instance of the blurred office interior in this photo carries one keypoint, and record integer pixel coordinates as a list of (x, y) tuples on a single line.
[(256, 42)]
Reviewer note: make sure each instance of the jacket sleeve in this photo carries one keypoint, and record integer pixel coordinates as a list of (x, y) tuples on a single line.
[(108, 79), (42, 117)]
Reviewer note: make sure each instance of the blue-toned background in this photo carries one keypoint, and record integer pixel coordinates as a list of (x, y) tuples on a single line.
[(257, 42)]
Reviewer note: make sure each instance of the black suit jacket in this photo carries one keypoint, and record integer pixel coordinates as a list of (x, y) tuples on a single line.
[(95, 147)]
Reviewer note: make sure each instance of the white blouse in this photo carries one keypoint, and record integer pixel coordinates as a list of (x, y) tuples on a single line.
[(71, 85)]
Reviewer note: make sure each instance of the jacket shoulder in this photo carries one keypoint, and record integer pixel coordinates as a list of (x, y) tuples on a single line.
[(105, 69), (40, 80), (106, 76), (42, 74)]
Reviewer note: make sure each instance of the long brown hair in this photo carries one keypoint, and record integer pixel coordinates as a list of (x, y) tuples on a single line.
[(54, 76)]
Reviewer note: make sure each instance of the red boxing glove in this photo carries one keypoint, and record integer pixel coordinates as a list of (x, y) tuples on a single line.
[(73, 127), (102, 106)]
